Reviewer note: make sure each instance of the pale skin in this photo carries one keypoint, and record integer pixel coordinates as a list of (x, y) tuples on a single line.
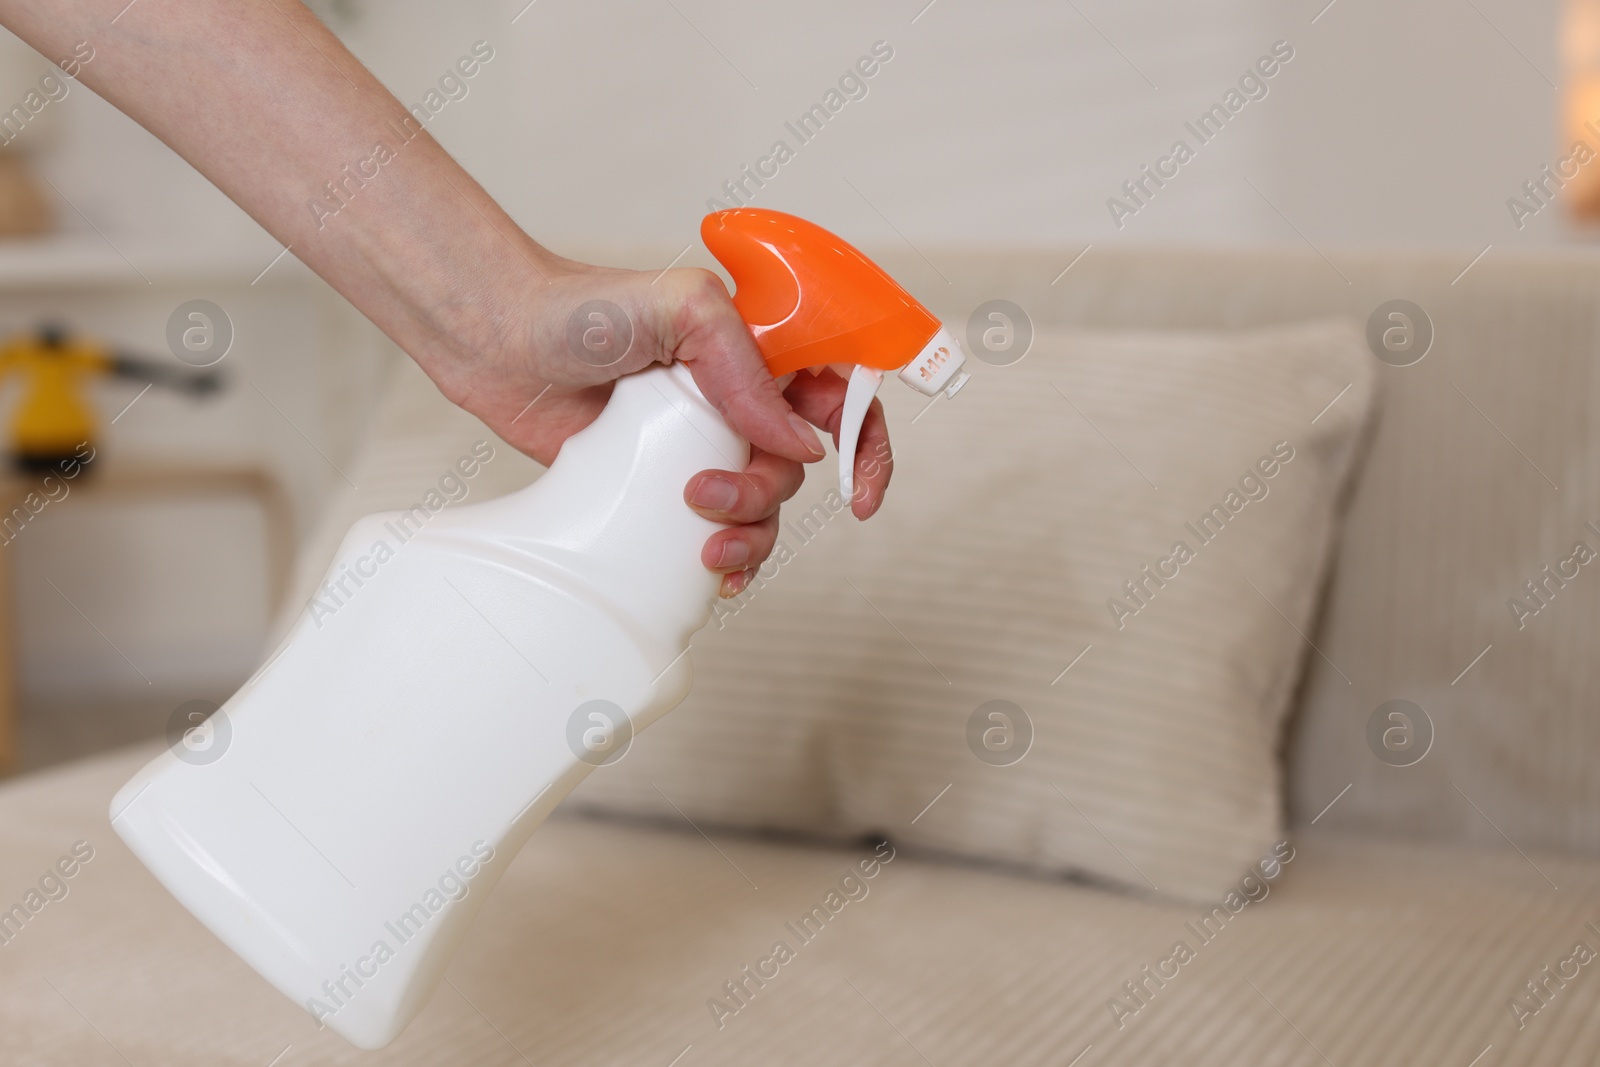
[(260, 98)]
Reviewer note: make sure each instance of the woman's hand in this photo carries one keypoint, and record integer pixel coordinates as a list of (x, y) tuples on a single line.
[(520, 373)]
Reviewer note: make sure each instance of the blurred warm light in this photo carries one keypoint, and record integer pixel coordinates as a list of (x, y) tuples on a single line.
[(1580, 59)]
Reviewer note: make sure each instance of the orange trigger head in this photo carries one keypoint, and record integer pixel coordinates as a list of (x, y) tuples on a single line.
[(810, 298)]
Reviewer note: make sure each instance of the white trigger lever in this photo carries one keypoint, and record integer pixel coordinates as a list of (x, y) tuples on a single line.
[(864, 382)]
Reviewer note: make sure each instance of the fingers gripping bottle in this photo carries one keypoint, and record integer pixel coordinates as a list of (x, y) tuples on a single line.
[(361, 794)]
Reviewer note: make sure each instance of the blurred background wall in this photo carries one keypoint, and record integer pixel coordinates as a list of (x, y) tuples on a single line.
[(605, 127), (612, 122)]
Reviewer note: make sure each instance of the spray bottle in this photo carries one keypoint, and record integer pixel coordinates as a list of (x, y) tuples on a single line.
[(339, 821)]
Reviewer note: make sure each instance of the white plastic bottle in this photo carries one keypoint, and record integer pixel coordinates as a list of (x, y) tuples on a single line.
[(360, 795)]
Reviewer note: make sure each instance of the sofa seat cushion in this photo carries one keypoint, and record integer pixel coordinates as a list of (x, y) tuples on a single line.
[(606, 941)]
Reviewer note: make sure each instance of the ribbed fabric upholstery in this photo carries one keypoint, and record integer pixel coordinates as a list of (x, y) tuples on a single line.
[(605, 941), (1451, 515), (836, 697), (1447, 520)]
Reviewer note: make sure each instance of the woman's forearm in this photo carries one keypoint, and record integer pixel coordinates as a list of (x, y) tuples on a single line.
[(265, 102), (273, 109)]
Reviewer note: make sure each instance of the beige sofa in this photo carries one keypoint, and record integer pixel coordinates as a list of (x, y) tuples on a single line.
[(1446, 912)]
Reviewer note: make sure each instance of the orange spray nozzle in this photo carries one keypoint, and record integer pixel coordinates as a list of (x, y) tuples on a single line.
[(811, 299)]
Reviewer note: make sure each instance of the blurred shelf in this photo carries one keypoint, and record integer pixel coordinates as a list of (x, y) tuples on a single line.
[(87, 260)]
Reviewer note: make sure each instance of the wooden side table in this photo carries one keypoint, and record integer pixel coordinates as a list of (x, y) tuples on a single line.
[(122, 479)]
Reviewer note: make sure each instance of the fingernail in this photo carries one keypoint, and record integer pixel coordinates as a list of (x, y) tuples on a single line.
[(806, 434), (714, 494), (734, 554), (733, 584)]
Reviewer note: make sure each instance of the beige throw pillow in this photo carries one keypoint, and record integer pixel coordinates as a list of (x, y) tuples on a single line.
[(1067, 642)]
